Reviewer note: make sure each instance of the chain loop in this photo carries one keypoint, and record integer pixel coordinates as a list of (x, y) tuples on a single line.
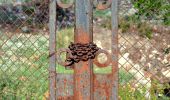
[(82, 52)]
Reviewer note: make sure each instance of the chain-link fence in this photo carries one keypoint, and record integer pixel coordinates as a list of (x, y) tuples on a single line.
[(24, 42), (24, 47), (144, 47), (144, 50)]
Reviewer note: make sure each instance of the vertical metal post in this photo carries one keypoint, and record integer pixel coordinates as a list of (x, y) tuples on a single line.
[(52, 67), (114, 10), (83, 72)]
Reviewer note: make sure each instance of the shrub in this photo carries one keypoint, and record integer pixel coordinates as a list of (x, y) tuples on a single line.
[(153, 9)]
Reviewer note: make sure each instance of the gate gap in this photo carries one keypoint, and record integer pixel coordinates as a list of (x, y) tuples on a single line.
[(65, 32), (101, 36)]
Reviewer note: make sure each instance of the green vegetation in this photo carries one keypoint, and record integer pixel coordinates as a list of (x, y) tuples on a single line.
[(24, 67), (124, 76), (126, 23), (102, 14), (126, 90), (158, 89), (153, 9)]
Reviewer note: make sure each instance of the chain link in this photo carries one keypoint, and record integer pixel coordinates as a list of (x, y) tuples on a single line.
[(81, 52)]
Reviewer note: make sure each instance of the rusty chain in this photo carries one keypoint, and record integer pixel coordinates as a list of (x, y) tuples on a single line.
[(81, 52)]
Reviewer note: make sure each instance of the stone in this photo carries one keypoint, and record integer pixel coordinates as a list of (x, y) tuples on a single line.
[(25, 29)]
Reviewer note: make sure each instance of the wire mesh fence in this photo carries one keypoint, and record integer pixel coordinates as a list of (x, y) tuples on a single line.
[(144, 47), (144, 50), (24, 42)]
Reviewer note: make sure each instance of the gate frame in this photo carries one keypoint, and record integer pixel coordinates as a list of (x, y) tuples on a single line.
[(52, 47), (84, 18)]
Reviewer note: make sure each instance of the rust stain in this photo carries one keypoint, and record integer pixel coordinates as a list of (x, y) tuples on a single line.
[(59, 59), (102, 86), (64, 87), (83, 68), (115, 50), (65, 98), (81, 81), (105, 64), (115, 53), (82, 71), (82, 36)]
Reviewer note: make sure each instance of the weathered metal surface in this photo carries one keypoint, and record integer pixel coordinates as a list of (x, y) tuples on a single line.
[(59, 60), (83, 71), (65, 83), (52, 62), (106, 63), (102, 87), (114, 10), (84, 84)]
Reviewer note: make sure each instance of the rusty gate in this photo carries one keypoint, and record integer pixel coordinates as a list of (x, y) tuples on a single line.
[(84, 50), (83, 84)]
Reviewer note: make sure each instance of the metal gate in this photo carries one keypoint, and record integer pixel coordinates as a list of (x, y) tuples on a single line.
[(84, 84), (82, 51)]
